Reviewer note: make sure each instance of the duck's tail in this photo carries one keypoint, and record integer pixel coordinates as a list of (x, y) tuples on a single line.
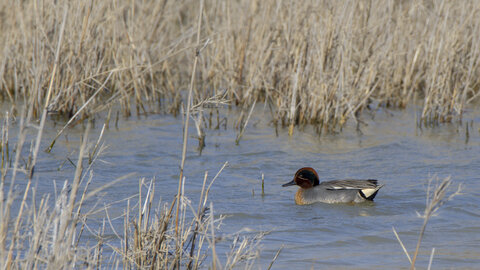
[(370, 193)]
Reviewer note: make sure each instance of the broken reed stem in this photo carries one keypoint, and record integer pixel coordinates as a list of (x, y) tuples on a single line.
[(17, 226), (293, 102), (419, 241), (242, 128), (430, 261), (263, 184), (434, 200), (77, 113), (62, 236), (4, 147), (200, 212), (215, 260), (6, 205), (49, 92), (211, 183), (402, 245), (187, 117), (31, 168), (94, 151), (275, 257)]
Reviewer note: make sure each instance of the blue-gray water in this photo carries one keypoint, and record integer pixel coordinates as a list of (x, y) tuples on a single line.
[(319, 236)]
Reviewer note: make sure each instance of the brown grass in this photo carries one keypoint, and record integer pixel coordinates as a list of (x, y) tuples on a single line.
[(50, 233), (313, 62), (39, 237)]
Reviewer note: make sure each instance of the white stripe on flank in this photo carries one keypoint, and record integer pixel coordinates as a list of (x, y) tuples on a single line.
[(343, 188)]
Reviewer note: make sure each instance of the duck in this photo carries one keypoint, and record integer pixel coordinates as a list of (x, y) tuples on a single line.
[(337, 191)]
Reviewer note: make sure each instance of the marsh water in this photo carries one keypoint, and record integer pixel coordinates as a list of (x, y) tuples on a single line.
[(320, 236)]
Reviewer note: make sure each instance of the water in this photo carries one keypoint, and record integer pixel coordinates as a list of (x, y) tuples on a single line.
[(319, 236)]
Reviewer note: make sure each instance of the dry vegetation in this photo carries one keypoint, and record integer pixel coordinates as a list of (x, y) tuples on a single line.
[(51, 232), (313, 62), (436, 197)]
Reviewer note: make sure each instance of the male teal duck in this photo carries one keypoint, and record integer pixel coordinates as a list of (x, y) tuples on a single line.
[(336, 191)]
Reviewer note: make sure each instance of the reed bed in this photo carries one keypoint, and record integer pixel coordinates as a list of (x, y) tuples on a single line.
[(51, 232), (312, 62), (156, 243), (50, 235)]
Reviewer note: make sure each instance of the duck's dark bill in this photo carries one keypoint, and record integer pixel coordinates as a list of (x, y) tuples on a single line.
[(291, 183)]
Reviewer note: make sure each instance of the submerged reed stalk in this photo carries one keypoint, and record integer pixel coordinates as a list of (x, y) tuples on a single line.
[(263, 184)]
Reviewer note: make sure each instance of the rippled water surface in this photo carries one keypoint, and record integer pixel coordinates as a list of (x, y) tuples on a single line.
[(319, 236)]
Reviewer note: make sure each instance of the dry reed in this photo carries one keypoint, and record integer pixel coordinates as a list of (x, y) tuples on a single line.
[(319, 63), (313, 62), (110, 60), (37, 236), (436, 197), (49, 234), (158, 243)]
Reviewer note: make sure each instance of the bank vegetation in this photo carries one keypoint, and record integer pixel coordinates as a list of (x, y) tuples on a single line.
[(310, 62)]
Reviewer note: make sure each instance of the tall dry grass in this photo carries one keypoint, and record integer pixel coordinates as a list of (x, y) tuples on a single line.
[(50, 235), (313, 62), (51, 232), (153, 240)]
